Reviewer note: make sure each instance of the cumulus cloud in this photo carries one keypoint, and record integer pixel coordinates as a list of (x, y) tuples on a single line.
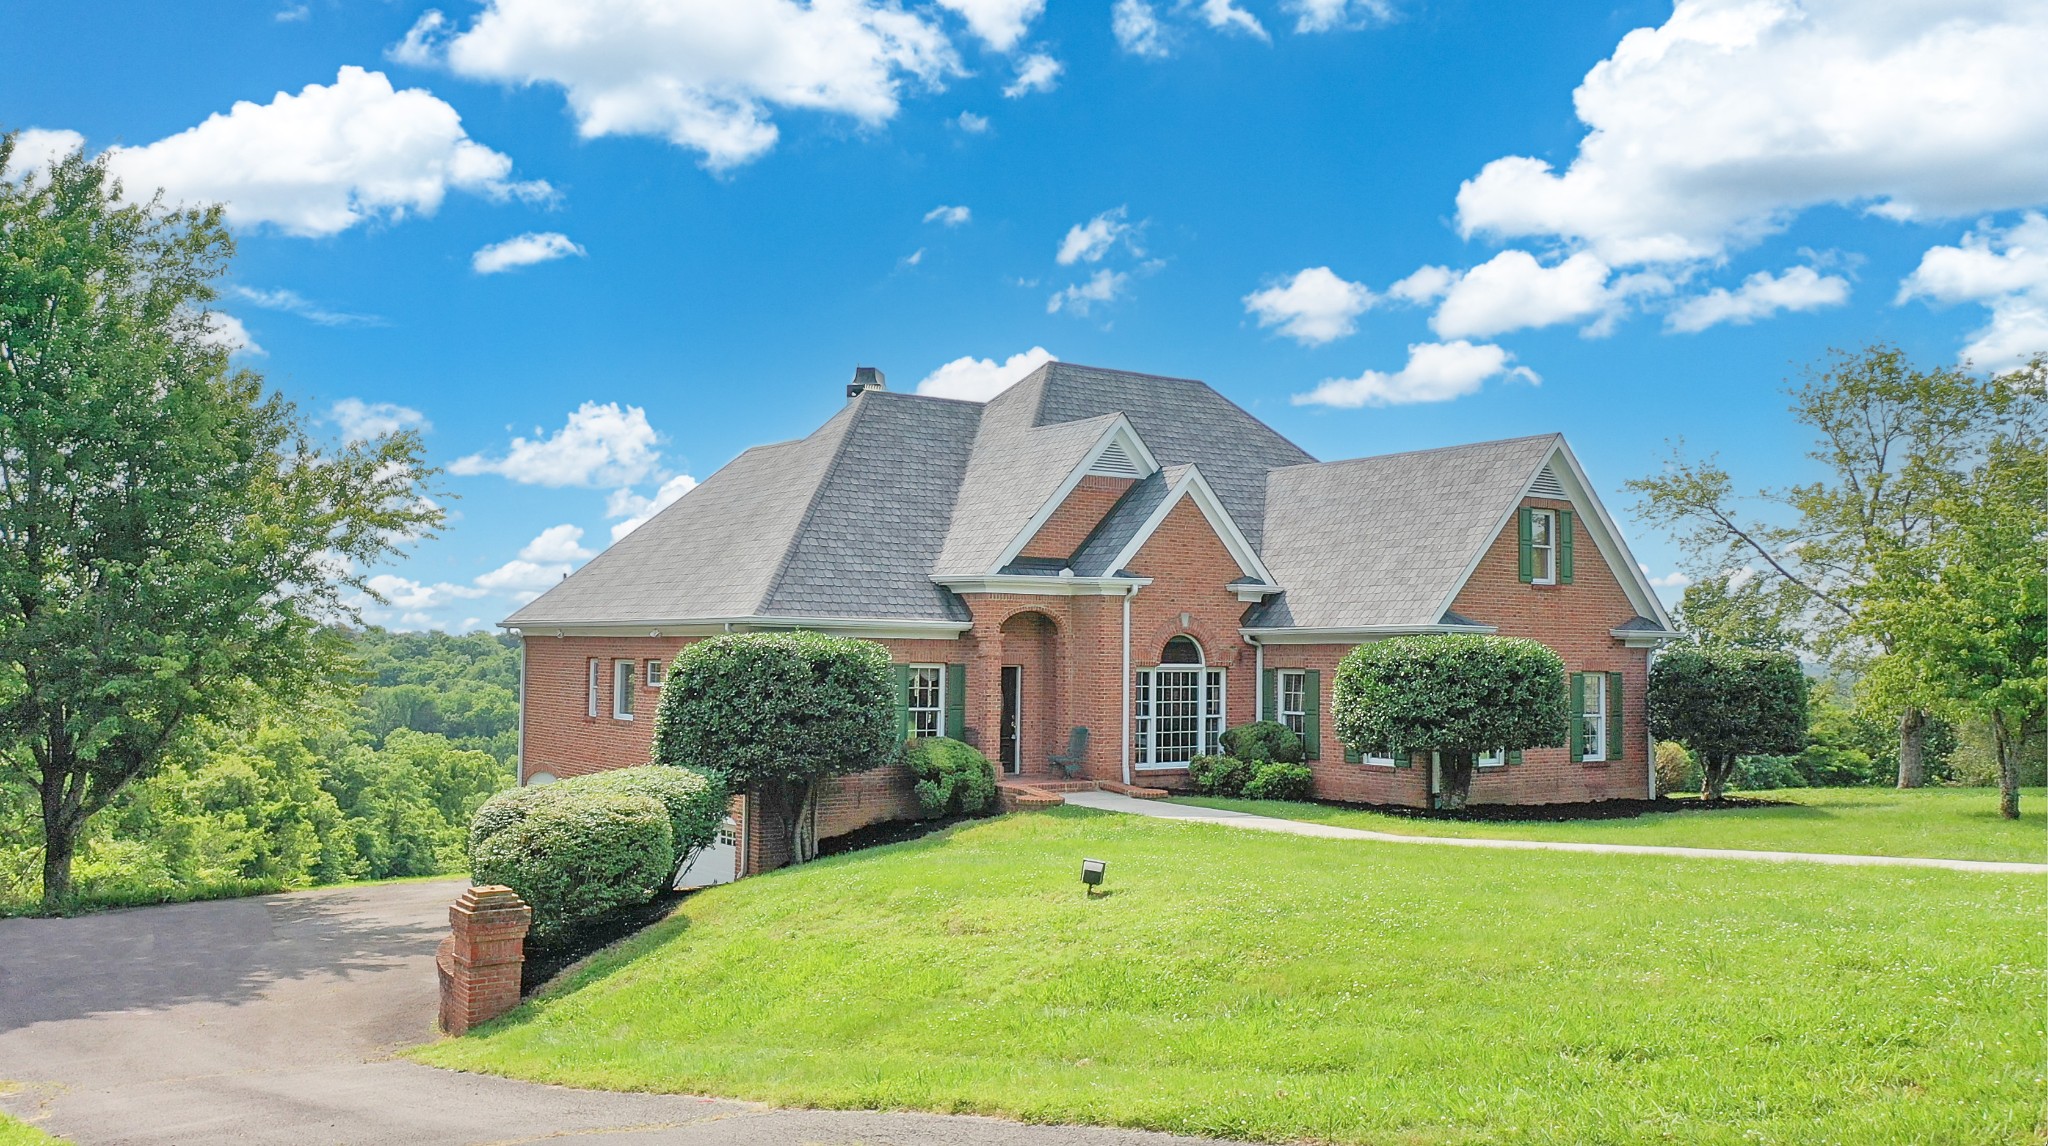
[(1714, 129), (979, 379), (636, 508), (1104, 287), (38, 149), (1036, 72), (2005, 270), (557, 543), (423, 42), (1425, 286), (1313, 307), (999, 23), (324, 160), (1331, 15), (523, 580), (1137, 28), (949, 216), (227, 332), (1226, 16), (1512, 291), (598, 445), (707, 75), (523, 251), (361, 421), (406, 593), (1436, 372), (971, 123), (1088, 242), (1760, 296)]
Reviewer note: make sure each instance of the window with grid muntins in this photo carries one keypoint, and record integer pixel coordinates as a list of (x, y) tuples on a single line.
[(1543, 546), (1293, 713), (927, 700), (1179, 715)]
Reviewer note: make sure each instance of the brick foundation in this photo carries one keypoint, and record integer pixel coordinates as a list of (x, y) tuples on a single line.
[(480, 961)]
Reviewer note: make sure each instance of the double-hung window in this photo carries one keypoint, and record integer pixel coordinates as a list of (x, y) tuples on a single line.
[(927, 700), (1178, 708), (595, 689), (1592, 707), (657, 671), (1293, 694), (625, 688), (1543, 547)]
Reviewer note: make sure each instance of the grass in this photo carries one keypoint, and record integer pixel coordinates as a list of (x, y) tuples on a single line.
[(1278, 988), (14, 1132), (1942, 823)]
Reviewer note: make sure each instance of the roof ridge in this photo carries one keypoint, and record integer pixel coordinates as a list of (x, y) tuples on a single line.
[(1557, 434), (913, 395)]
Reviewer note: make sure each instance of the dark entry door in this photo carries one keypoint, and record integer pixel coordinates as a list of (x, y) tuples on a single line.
[(1012, 750)]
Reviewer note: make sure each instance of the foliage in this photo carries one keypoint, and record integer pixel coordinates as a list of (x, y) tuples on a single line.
[(170, 535), (1457, 695), (1764, 774), (776, 713), (580, 853), (1751, 612), (1676, 769), (465, 688), (696, 802), (1723, 701), (1278, 781), (952, 778), (1295, 990), (1219, 775), (1262, 741)]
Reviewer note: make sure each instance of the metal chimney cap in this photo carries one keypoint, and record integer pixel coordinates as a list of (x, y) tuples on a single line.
[(865, 378)]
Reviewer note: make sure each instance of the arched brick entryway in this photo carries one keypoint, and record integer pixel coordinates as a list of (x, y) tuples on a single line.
[(1032, 725)]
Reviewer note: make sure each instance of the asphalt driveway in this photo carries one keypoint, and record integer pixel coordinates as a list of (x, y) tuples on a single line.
[(274, 1020)]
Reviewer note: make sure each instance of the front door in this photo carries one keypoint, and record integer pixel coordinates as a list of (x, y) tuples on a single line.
[(1012, 749)]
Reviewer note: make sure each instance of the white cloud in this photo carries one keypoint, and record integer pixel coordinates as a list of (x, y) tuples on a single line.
[(405, 593), (1760, 296), (2006, 270), (999, 23), (913, 258), (1088, 242), (1512, 290), (1036, 72), (423, 42), (362, 421), (292, 302), (1137, 28), (971, 123), (38, 149), (293, 14), (599, 445), (1080, 298), (227, 332), (1425, 286), (324, 160), (949, 216), (707, 75), (523, 251), (523, 580), (1436, 372), (1673, 580), (557, 543), (637, 508), (1717, 127), (1331, 15), (979, 379), (1226, 16), (1313, 307)]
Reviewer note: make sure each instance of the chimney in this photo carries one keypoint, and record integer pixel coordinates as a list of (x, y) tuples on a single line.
[(865, 378)]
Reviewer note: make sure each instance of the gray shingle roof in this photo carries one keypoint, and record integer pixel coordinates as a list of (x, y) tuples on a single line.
[(1123, 521), (1382, 541)]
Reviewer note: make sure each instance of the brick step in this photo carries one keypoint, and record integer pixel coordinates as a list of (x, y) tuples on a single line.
[(1023, 795)]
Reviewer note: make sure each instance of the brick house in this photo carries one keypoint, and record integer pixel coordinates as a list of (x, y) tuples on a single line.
[(1119, 552)]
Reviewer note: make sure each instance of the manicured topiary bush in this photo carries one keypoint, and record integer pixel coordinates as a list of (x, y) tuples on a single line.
[(1277, 781), (579, 854), (953, 779), (1263, 741), (1724, 703), (777, 713), (696, 803), (1219, 775), (500, 812)]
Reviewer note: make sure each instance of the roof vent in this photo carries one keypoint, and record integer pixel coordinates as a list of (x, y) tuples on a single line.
[(1115, 462), (865, 378), (1547, 485)]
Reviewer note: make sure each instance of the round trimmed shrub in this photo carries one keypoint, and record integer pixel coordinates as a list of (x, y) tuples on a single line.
[(953, 778), (502, 811), (1264, 741), (1219, 775), (696, 803), (1276, 781), (577, 855)]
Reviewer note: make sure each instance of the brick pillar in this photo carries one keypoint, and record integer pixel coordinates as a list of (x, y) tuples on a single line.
[(480, 960), (985, 689)]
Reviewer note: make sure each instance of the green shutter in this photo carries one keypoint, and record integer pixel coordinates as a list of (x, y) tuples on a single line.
[(1514, 756), (956, 701), (902, 701), (1564, 546), (1524, 520), (1269, 708), (1578, 743), (1312, 715), (1403, 759), (1353, 755), (1614, 727)]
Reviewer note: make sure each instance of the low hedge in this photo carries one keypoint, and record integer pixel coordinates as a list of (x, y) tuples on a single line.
[(953, 778), (1280, 782), (1219, 775), (577, 853), (1263, 741), (696, 803)]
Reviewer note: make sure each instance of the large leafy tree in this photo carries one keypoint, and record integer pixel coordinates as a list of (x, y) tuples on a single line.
[(1890, 438), (1724, 702), (169, 532), (1458, 696)]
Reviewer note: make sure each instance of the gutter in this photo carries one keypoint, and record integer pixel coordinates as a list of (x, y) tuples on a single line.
[(1258, 679)]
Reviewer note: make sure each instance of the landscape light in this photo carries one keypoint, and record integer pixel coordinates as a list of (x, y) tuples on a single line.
[(1091, 874)]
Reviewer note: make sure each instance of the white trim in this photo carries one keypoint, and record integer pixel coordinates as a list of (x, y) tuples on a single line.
[(1128, 746), (1354, 634), (1259, 678), (912, 709), (1643, 638), (1253, 594), (1552, 549), (712, 626), (1600, 687), (1280, 699), (1192, 484), (591, 700), (522, 710), (630, 693), (655, 665), (1031, 585), (1120, 430)]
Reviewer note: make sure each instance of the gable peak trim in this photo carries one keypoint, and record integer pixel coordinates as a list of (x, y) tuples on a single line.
[(1192, 485)]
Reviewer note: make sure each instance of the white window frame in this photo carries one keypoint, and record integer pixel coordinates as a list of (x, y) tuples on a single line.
[(1295, 719), (1594, 720), (1498, 758), (625, 679), (1212, 712), (657, 672), (1377, 761), (593, 692), (1546, 552), (937, 709)]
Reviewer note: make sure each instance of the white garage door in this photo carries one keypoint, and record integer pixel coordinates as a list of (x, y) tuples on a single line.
[(718, 863)]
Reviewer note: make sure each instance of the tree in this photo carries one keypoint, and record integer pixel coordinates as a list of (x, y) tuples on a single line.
[(1458, 696), (776, 714), (1748, 611), (1967, 609), (1723, 702), (168, 531), (1891, 437)]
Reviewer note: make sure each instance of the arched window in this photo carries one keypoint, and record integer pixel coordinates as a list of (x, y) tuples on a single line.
[(1178, 707)]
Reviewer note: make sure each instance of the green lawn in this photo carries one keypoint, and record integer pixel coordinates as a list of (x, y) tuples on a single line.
[(1273, 987), (15, 1133), (1945, 823)]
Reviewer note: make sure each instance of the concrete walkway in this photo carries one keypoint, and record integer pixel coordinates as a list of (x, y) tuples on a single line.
[(1111, 802), (275, 1020)]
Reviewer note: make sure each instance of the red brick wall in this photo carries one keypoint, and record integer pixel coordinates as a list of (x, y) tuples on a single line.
[(1076, 517), (1335, 778)]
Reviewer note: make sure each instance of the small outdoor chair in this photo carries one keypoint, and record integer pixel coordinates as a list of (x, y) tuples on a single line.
[(1077, 750)]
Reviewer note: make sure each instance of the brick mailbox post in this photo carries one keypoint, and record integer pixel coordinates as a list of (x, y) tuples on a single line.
[(480, 961)]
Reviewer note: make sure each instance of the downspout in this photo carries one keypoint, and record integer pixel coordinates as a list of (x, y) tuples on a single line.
[(522, 708), (1649, 737), (1127, 683), (1258, 680)]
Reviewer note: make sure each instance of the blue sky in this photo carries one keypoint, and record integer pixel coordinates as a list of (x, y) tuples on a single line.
[(597, 249)]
